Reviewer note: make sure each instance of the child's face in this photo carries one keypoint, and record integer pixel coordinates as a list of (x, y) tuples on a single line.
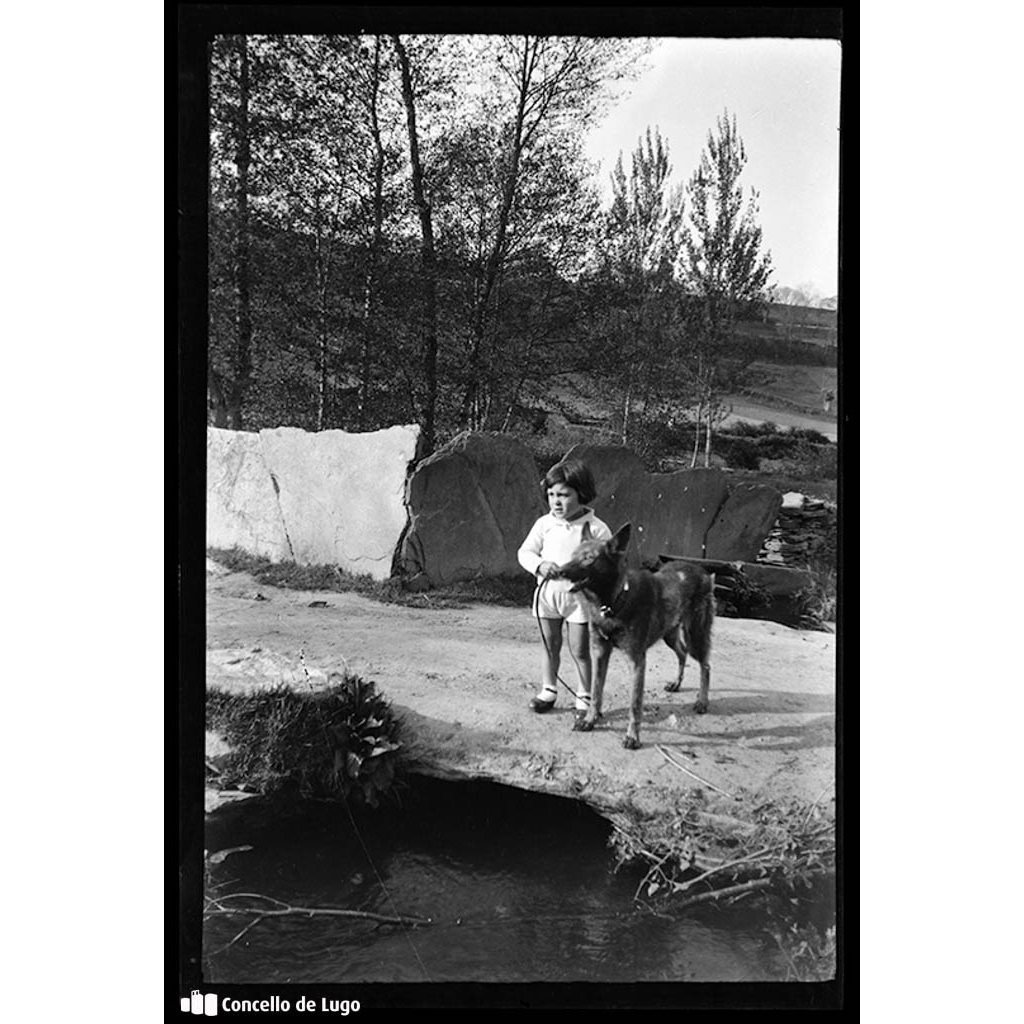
[(563, 501)]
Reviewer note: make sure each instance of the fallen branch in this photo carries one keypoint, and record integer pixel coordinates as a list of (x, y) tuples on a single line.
[(646, 878), (664, 753), (732, 890), (683, 886), (216, 906), (736, 890), (228, 945)]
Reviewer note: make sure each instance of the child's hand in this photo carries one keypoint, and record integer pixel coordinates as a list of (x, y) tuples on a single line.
[(547, 570)]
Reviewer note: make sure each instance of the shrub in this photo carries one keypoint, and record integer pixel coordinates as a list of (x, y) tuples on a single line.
[(816, 604), (337, 742), (808, 434), (739, 452), (740, 596), (741, 428)]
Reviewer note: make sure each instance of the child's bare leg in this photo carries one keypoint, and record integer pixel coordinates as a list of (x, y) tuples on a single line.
[(551, 631), (579, 648)]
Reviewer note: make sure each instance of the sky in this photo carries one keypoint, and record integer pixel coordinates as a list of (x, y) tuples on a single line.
[(785, 95)]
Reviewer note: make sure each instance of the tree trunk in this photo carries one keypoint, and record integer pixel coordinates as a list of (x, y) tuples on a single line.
[(370, 281), (217, 406), (471, 405), (243, 310), (696, 435), (321, 319), (321, 384), (707, 434), (428, 259)]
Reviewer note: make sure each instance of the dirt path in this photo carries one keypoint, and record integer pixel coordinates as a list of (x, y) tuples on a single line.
[(746, 411), (461, 679)]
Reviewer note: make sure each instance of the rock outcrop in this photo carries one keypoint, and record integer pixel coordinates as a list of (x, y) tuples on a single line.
[(671, 513), (341, 494), (328, 498), (241, 505), (743, 522), (470, 505)]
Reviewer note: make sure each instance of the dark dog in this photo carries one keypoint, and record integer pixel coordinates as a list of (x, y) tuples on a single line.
[(632, 609)]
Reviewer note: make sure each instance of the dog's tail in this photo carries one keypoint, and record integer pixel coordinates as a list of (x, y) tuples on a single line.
[(701, 617)]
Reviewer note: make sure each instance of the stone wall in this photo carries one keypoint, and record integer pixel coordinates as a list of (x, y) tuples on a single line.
[(804, 532)]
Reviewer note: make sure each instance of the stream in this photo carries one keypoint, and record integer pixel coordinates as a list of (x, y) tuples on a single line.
[(519, 887)]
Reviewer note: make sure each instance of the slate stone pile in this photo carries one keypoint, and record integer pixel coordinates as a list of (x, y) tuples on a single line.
[(805, 531)]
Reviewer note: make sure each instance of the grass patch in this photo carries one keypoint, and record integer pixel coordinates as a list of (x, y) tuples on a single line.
[(512, 591), (340, 742), (816, 604)]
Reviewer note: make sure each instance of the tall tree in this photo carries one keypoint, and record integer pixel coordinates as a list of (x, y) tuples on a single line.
[(229, 367), (724, 270), (641, 243), (428, 257), (545, 90)]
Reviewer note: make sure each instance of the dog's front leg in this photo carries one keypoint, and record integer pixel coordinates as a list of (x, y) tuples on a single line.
[(636, 704), (600, 653)]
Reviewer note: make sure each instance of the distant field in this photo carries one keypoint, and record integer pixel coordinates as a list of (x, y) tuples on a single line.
[(792, 393), (797, 388)]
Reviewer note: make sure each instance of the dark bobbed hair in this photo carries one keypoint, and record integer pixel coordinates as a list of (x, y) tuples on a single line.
[(575, 474)]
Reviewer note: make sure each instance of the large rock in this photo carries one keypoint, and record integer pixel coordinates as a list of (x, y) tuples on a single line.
[(743, 522), (241, 505), (471, 504), (682, 507), (342, 494), (620, 477), (670, 512)]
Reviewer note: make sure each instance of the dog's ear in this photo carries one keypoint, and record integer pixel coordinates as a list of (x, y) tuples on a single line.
[(585, 533), (621, 538)]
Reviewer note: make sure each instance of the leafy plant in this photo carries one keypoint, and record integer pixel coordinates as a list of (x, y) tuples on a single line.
[(340, 742), (740, 595), (816, 604)]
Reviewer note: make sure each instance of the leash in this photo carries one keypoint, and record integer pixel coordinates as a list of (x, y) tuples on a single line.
[(544, 639), (355, 828)]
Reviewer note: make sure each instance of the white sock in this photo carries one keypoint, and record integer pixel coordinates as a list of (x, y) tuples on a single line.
[(547, 694), (582, 701)]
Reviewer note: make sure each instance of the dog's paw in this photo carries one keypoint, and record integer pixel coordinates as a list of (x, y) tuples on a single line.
[(631, 742), (582, 723), (700, 706), (672, 687)]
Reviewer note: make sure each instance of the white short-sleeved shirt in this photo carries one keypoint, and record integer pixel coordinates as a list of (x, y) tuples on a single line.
[(554, 540)]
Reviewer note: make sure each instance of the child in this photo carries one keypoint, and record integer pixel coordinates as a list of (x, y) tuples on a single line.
[(551, 542)]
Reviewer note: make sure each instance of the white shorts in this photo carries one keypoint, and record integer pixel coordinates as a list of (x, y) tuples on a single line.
[(554, 600)]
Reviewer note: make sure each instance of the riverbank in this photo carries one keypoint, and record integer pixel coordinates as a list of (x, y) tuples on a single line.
[(459, 681)]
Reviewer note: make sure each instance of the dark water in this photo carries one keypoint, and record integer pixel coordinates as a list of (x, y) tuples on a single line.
[(519, 887)]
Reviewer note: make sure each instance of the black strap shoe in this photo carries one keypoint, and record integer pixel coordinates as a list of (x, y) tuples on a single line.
[(540, 706)]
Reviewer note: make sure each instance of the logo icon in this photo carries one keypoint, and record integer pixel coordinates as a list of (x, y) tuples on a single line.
[(198, 1003)]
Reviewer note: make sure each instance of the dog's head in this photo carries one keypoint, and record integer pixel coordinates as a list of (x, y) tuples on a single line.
[(596, 564)]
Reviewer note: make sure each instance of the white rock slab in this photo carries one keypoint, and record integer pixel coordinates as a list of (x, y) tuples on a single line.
[(241, 507), (342, 495)]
